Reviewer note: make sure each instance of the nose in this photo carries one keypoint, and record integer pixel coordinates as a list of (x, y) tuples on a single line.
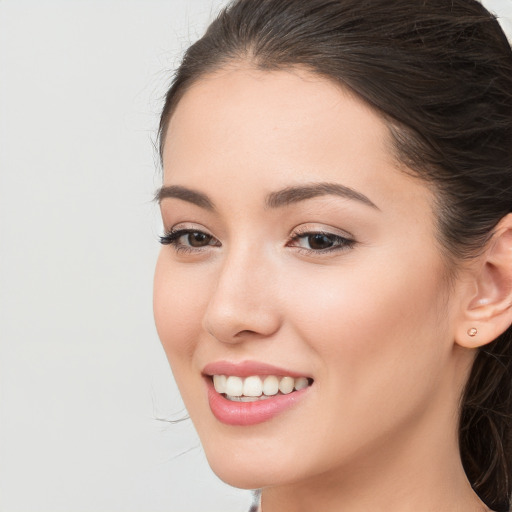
[(244, 303)]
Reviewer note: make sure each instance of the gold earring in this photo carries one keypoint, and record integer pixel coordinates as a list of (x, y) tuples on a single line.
[(473, 331)]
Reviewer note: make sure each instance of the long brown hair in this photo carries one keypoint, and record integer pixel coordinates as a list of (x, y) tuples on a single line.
[(440, 72)]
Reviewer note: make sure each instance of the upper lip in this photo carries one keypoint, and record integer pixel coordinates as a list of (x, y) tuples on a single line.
[(247, 368)]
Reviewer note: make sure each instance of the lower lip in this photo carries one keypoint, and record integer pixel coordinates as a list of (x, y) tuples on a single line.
[(250, 413)]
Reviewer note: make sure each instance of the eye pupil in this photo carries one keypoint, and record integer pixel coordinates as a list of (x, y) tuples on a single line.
[(198, 239), (319, 241)]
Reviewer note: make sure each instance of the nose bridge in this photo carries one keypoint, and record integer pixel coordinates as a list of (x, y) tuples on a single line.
[(244, 299)]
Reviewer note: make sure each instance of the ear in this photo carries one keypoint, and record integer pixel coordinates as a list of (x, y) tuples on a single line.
[(487, 308)]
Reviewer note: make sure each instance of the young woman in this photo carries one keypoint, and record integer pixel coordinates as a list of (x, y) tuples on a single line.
[(334, 287)]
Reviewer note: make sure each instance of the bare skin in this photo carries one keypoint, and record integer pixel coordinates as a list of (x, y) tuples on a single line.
[(365, 309)]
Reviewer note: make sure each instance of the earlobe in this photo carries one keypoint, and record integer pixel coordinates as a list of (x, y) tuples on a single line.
[(488, 309)]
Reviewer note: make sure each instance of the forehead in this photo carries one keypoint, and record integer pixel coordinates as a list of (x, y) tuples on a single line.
[(268, 130), (247, 98)]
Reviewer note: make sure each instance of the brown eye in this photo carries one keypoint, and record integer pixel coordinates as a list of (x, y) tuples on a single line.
[(198, 239), (319, 241), (183, 239)]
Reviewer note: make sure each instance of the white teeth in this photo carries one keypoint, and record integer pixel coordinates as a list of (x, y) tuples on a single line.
[(234, 386), (246, 398), (219, 382), (270, 385), (301, 383), (253, 388), (286, 385)]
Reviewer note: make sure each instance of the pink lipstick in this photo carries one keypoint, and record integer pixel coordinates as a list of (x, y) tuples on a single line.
[(249, 393)]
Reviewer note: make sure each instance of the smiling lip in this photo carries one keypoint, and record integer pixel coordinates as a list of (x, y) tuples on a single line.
[(246, 369), (248, 413)]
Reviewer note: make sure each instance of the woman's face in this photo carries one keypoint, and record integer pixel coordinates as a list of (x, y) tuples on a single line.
[(297, 248)]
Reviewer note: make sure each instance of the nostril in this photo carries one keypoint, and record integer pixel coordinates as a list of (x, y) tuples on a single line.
[(245, 332)]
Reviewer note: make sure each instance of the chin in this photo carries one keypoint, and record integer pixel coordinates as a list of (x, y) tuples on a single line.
[(247, 475), (246, 479), (250, 464), (241, 467)]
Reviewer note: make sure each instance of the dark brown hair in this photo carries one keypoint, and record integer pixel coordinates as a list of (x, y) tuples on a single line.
[(440, 72)]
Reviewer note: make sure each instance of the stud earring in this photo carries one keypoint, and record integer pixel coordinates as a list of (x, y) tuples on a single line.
[(473, 331)]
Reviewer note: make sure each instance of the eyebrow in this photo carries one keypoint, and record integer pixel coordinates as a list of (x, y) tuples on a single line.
[(291, 195), (278, 199), (185, 194)]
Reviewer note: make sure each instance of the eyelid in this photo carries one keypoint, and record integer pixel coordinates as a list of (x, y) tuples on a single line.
[(342, 240), (172, 236), (190, 227), (308, 228)]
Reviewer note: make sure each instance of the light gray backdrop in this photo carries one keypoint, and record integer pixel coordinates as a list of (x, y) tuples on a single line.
[(82, 374)]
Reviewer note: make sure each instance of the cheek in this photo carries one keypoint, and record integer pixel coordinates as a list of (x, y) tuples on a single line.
[(373, 325), (179, 299), (378, 347)]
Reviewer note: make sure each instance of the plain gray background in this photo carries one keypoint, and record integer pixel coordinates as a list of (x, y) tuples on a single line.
[(82, 374)]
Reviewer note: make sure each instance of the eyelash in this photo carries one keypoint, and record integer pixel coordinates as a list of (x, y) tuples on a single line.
[(174, 235), (340, 243)]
